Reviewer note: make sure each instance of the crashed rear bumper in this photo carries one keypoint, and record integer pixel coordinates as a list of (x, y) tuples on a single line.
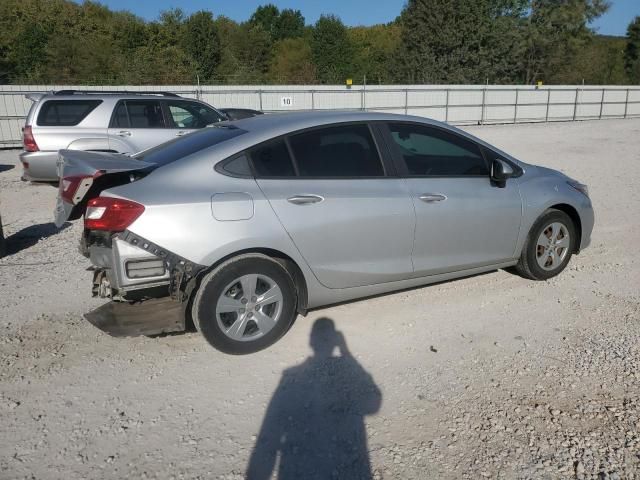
[(148, 317)]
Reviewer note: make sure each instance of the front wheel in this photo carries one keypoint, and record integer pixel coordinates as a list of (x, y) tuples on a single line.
[(245, 305), (549, 246)]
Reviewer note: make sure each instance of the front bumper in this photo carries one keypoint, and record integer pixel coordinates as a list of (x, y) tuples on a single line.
[(148, 317), (39, 166)]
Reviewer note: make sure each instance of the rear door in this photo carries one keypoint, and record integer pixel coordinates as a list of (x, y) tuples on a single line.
[(138, 124), (352, 222), (462, 219)]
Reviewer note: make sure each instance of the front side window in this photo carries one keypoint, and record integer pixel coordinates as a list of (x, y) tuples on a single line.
[(138, 114), (65, 113), (340, 151), (185, 114), (428, 151)]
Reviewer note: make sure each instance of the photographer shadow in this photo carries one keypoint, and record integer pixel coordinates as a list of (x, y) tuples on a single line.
[(314, 425)]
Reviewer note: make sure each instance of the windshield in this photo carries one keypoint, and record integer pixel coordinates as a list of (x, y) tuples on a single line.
[(181, 147)]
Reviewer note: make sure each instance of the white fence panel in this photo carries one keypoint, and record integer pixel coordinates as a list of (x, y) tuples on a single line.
[(458, 104)]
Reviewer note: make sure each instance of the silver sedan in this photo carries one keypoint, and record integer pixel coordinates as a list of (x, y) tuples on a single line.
[(240, 227)]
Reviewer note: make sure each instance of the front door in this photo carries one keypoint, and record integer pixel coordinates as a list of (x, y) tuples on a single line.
[(462, 220), (351, 223)]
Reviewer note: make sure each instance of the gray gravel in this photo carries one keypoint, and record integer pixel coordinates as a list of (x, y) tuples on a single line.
[(487, 377)]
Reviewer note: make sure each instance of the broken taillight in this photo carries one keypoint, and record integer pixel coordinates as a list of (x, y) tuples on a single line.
[(28, 140), (111, 214), (73, 188)]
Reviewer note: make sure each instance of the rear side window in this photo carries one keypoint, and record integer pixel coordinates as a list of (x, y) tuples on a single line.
[(138, 114), (272, 159), (181, 147), (65, 113), (341, 151), (432, 152)]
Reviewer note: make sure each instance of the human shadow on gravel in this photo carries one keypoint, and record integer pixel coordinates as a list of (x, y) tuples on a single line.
[(29, 236), (314, 425)]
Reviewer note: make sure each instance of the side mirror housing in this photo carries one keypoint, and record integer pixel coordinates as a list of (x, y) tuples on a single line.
[(500, 172)]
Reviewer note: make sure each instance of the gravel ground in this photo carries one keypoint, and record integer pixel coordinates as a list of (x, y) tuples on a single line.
[(490, 376)]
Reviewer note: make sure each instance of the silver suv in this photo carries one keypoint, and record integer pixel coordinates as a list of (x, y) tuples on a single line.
[(117, 122)]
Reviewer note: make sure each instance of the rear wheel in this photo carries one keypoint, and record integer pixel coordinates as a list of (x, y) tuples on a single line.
[(549, 246), (245, 305)]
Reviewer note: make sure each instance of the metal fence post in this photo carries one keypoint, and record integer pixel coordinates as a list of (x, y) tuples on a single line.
[(446, 107), (484, 93), (575, 105), (546, 115), (626, 104), (406, 101), (260, 98), (313, 104), (515, 108), (363, 100), (601, 105)]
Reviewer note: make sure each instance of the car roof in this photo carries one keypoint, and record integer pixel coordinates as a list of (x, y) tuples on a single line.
[(276, 124), (79, 95)]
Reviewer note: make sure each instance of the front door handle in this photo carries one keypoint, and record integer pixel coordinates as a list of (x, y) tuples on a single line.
[(432, 197), (305, 199), (124, 133), (180, 133)]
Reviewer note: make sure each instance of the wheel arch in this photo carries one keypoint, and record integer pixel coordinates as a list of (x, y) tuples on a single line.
[(285, 260), (575, 217)]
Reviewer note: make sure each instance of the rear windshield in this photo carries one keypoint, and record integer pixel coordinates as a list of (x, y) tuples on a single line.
[(65, 113), (181, 147)]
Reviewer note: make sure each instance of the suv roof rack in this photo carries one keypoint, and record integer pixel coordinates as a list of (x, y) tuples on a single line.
[(116, 92)]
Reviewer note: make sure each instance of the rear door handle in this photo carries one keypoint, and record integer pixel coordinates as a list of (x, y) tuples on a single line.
[(432, 197), (305, 199), (180, 133), (124, 133)]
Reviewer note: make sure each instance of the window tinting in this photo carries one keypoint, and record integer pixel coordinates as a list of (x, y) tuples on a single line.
[(65, 112), (432, 152), (181, 147), (145, 114), (272, 160), (343, 151), (238, 166), (120, 117), (185, 114)]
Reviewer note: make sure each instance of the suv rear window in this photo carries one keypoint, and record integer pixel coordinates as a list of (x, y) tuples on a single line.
[(138, 114), (65, 113), (181, 147)]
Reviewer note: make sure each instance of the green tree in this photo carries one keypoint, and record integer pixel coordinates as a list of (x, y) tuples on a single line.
[(373, 49), (200, 41), (266, 16), (331, 50), (292, 63), (632, 51), (289, 24)]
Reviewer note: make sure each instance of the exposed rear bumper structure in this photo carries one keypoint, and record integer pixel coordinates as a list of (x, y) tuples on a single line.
[(148, 317)]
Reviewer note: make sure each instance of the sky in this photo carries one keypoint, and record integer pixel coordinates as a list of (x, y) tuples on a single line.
[(352, 12)]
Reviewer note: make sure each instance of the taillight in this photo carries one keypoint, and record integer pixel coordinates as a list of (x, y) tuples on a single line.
[(28, 141), (111, 214), (73, 187)]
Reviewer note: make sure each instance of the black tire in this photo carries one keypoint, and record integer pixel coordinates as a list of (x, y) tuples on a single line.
[(211, 288), (527, 265)]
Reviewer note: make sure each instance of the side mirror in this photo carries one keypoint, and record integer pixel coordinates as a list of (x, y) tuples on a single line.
[(500, 172)]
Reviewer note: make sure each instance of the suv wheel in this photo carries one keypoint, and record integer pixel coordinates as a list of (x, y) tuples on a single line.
[(245, 305), (549, 246)]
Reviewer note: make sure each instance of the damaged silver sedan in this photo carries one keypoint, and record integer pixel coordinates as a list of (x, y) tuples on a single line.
[(240, 227)]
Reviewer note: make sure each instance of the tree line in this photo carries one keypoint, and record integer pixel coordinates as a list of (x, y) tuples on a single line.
[(431, 41)]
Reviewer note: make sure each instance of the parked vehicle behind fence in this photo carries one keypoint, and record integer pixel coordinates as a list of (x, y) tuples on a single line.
[(117, 122), (241, 226)]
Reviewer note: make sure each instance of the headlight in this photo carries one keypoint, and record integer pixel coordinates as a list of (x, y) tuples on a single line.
[(582, 188)]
